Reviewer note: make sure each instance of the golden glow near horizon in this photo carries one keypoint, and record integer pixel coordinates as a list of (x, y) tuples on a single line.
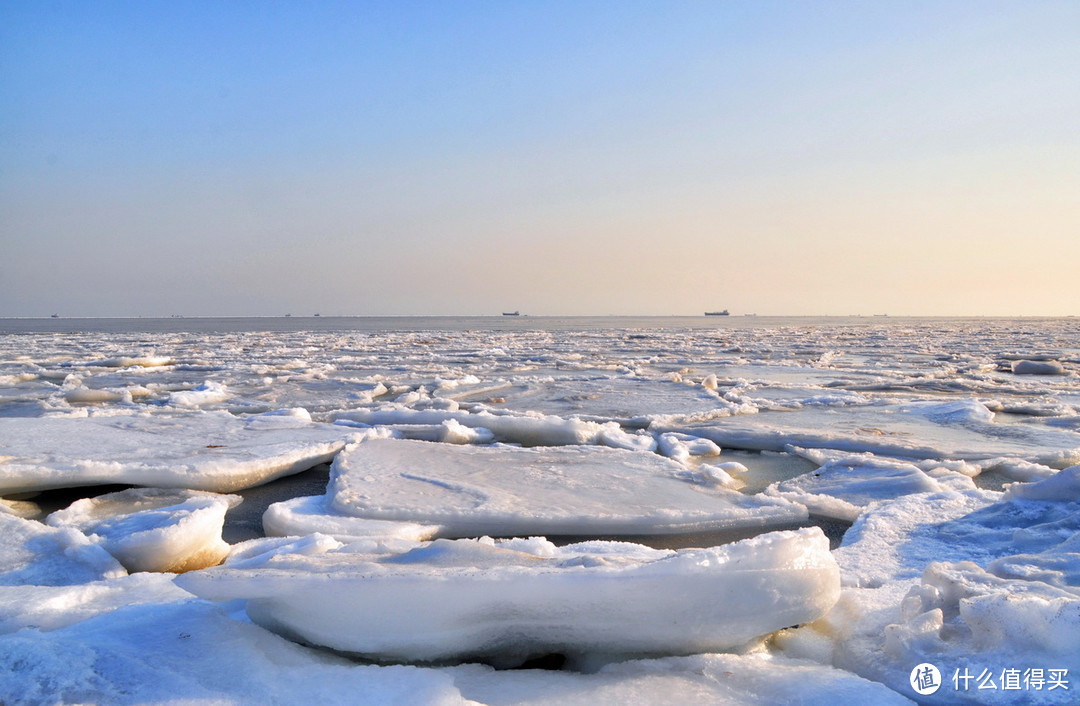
[(627, 158)]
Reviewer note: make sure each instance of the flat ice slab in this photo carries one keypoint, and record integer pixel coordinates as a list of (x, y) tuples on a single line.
[(213, 451), (512, 491), (154, 529), (515, 599)]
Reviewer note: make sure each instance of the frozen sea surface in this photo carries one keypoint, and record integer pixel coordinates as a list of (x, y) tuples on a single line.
[(951, 445)]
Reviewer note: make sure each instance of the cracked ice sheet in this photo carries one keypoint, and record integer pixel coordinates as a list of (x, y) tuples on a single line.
[(213, 451), (512, 491), (515, 599), (960, 429), (896, 539), (937, 578)]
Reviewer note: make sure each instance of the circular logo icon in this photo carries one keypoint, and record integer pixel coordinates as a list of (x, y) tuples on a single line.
[(925, 679)]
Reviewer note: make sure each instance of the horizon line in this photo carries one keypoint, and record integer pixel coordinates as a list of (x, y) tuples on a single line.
[(55, 317)]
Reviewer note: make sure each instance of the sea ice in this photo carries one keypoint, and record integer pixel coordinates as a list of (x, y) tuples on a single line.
[(527, 429), (213, 451), (129, 361), (728, 679), (21, 508), (961, 429), (154, 529), (515, 599), (961, 609), (843, 487), (895, 539), (1038, 367), (630, 400), (207, 393), (449, 431), (942, 582), (32, 553), (192, 652), (308, 515), (682, 447), (511, 491), (967, 579), (52, 607)]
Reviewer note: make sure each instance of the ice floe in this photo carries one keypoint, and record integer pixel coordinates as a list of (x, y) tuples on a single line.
[(213, 451), (154, 529), (682, 447), (843, 487), (1038, 367), (917, 430), (511, 491), (515, 599), (527, 429)]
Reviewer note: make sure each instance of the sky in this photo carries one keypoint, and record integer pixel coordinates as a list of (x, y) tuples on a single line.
[(564, 157)]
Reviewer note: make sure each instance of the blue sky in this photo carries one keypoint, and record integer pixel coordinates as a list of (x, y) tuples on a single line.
[(236, 158)]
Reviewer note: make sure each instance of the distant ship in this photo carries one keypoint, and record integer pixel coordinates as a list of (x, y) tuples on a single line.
[(56, 316), (725, 312), (511, 313)]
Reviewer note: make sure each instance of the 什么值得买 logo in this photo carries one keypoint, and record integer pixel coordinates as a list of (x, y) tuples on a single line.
[(925, 679)]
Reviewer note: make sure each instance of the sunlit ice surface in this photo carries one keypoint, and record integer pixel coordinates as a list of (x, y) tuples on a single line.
[(519, 472)]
